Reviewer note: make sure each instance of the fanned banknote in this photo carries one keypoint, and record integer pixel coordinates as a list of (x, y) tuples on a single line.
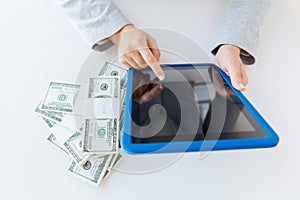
[(103, 98), (60, 97), (101, 136), (92, 171), (111, 69), (85, 121)]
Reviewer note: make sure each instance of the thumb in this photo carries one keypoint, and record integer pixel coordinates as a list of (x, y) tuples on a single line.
[(236, 76)]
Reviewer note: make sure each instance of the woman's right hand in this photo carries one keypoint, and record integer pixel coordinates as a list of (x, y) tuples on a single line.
[(137, 49)]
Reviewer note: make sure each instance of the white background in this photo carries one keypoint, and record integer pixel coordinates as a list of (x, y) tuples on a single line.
[(38, 44)]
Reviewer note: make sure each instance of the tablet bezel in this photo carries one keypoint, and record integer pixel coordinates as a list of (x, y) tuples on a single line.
[(199, 145)]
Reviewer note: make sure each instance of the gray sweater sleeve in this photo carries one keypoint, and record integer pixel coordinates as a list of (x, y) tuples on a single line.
[(240, 27), (96, 20)]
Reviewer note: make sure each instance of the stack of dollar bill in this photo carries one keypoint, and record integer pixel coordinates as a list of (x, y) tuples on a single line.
[(85, 121)]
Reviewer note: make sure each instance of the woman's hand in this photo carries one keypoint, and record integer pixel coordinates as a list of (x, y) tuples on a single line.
[(228, 59), (137, 49)]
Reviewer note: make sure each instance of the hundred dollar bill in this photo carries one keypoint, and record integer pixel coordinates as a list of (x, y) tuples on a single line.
[(110, 69), (74, 147), (114, 161), (67, 120), (103, 87), (122, 96), (103, 99), (92, 171), (49, 123), (122, 106), (101, 136), (60, 97), (71, 141), (121, 122), (50, 115), (51, 138)]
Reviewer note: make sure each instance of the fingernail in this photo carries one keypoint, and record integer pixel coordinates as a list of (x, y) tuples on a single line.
[(242, 85), (161, 77)]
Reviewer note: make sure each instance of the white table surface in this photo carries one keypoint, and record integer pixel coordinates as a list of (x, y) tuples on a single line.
[(38, 44)]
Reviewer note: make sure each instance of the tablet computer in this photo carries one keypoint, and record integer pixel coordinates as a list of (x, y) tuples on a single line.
[(194, 109)]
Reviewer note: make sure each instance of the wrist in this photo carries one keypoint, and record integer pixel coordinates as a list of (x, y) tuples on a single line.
[(232, 48), (125, 28), (115, 37)]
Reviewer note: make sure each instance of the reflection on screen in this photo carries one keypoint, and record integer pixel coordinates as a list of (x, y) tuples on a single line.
[(188, 105)]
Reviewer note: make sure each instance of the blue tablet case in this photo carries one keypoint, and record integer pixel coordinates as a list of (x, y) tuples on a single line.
[(199, 145)]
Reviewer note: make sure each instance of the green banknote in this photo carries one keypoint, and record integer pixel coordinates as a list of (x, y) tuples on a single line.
[(121, 120), (110, 69), (93, 146), (74, 147), (104, 87), (101, 135), (122, 113), (114, 161), (60, 97), (93, 170), (50, 115), (49, 123), (51, 138)]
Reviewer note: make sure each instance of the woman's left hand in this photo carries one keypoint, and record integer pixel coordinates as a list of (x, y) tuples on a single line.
[(228, 59)]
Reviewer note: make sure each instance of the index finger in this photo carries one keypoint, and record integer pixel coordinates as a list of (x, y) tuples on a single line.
[(152, 62)]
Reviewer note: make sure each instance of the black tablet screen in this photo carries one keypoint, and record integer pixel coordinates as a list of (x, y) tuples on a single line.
[(192, 103)]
